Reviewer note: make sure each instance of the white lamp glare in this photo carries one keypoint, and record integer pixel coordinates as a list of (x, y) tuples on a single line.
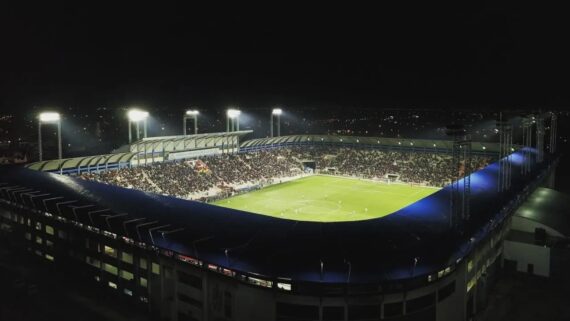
[(192, 112), (49, 117), (136, 115), (233, 113), (277, 111)]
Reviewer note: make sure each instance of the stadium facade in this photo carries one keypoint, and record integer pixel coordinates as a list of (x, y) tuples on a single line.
[(184, 260)]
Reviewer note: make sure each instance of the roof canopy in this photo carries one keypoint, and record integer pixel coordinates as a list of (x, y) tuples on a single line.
[(187, 142), (366, 141), (88, 162)]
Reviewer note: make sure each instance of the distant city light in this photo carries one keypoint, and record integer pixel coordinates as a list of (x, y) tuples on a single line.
[(233, 113), (49, 117), (136, 115), (277, 111)]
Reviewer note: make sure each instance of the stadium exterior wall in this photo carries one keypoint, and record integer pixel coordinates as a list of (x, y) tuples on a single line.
[(174, 289)]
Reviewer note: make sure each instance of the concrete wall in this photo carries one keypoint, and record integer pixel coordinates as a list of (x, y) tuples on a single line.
[(525, 254)]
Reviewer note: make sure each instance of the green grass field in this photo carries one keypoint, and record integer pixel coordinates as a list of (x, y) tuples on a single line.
[(328, 199)]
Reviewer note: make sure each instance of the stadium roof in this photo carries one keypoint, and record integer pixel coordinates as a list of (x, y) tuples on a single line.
[(62, 165), (150, 145), (548, 207), (185, 142), (378, 250), (375, 141)]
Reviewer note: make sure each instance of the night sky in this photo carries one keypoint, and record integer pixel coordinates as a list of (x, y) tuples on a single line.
[(435, 56)]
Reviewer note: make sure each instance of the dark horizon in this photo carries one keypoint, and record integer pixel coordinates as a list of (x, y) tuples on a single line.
[(488, 57)]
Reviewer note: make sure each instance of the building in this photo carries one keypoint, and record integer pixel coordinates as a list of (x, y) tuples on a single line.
[(538, 241)]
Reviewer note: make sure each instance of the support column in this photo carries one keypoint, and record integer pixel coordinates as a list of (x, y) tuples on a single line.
[(59, 147), (40, 140)]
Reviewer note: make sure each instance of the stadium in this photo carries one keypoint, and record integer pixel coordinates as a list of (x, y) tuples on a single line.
[(302, 227)]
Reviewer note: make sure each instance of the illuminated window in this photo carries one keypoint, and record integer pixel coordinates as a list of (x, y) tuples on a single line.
[(260, 282), (38, 226), (110, 268), (284, 286), (127, 257), (113, 285), (39, 240), (143, 263), (49, 257), (447, 270), (49, 230), (110, 251), (471, 283), (469, 266), (440, 273), (128, 292), (143, 282), (126, 275), (155, 268)]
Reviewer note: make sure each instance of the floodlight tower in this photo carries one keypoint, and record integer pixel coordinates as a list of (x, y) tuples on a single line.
[(505, 149), (526, 124), (232, 120), (49, 118), (539, 138), (276, 112), (461, 181), (553, 125), (137, 116), (190, 114)]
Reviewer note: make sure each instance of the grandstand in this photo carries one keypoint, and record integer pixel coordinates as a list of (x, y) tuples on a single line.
[(135, 231)]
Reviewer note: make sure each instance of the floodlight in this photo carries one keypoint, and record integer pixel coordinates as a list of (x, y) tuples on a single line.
[(233, 113), (192, 112), (49, 117), (277, 111), (136, 115)]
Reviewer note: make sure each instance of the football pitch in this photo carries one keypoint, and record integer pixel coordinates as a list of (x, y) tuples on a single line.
[(328, 199)]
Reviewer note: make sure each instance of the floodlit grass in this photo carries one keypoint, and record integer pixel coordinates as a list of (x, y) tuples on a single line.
[(328, 199)]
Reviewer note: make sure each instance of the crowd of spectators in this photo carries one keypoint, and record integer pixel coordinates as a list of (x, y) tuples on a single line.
[(220, 173), (433, 169), (187, 178)]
